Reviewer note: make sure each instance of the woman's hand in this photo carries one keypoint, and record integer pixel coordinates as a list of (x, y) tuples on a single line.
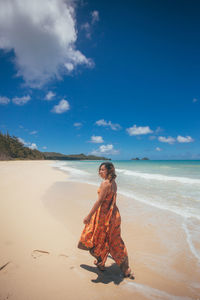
[(86, 220)]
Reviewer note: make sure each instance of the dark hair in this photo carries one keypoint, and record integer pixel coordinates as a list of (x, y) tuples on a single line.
[(110, 169)]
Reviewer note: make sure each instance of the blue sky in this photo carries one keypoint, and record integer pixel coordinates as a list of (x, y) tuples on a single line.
[(111, 78)]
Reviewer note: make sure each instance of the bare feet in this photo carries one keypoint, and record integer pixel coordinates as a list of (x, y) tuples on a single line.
[(129, 274), (99, 265)]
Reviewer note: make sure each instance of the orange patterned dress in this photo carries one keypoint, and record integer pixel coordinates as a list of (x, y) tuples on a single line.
[(103, 234)]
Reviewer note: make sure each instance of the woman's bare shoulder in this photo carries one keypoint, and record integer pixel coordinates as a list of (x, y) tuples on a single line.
[(105, 184)]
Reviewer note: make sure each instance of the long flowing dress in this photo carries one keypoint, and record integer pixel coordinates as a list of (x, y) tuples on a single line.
[(103, 234)]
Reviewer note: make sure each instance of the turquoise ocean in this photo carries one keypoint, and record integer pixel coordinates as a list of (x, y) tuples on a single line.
[(171, 186)]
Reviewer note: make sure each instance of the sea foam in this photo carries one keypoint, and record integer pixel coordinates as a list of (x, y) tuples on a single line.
[(159, 177)]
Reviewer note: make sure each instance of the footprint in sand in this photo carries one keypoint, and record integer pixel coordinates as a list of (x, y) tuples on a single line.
[(63, 255), (66, 256), (7, 297), (2, 267), (37, 253)]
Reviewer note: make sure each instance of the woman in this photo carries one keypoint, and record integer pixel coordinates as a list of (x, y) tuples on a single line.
[(102, 233)]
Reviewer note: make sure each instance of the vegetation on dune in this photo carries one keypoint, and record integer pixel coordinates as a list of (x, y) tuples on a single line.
[(59, 156), (12, 149)]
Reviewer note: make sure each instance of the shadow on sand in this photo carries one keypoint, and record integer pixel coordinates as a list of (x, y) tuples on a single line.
[(111, 274)]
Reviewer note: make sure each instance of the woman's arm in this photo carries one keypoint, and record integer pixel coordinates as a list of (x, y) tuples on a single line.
[(101, 196)]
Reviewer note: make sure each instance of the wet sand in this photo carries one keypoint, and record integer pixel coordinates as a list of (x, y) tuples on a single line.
[(41, 217)]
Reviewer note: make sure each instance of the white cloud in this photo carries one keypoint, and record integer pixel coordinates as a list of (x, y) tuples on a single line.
[(134, 130), (158, 129), (22, 100), (33, 146), (101, 122), (44, 147), (96, 139), (78, 124), (42, 35), (95, 16), (105, 150), (182, 139), (169, 140), (69, 67), (86, 26), (104, 123), (21, 140), (158, 149), (49, 96), (4, 100), (27, 144), (62, 107), (179, 139), (33, 132)]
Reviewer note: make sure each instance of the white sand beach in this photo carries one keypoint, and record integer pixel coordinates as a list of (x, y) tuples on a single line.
[(41, 219)]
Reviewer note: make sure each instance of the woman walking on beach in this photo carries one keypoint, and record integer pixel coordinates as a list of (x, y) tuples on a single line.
[(102, 232)]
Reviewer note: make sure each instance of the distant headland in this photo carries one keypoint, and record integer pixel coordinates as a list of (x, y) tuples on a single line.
[(12, 149), (59, 156)]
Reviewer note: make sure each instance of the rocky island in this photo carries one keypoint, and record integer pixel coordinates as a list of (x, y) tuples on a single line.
[(137, 158)]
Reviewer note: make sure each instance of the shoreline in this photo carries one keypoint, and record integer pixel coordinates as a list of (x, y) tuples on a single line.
[(51, 210)]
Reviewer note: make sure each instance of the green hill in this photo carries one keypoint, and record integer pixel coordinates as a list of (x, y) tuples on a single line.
[(59, 156), (12, 149)]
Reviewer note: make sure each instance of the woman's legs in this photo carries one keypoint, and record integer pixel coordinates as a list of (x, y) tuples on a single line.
[(98, 262), (119, 253), (124, 266)]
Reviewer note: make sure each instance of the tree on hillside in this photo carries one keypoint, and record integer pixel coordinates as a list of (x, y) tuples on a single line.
[(12, 148)]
